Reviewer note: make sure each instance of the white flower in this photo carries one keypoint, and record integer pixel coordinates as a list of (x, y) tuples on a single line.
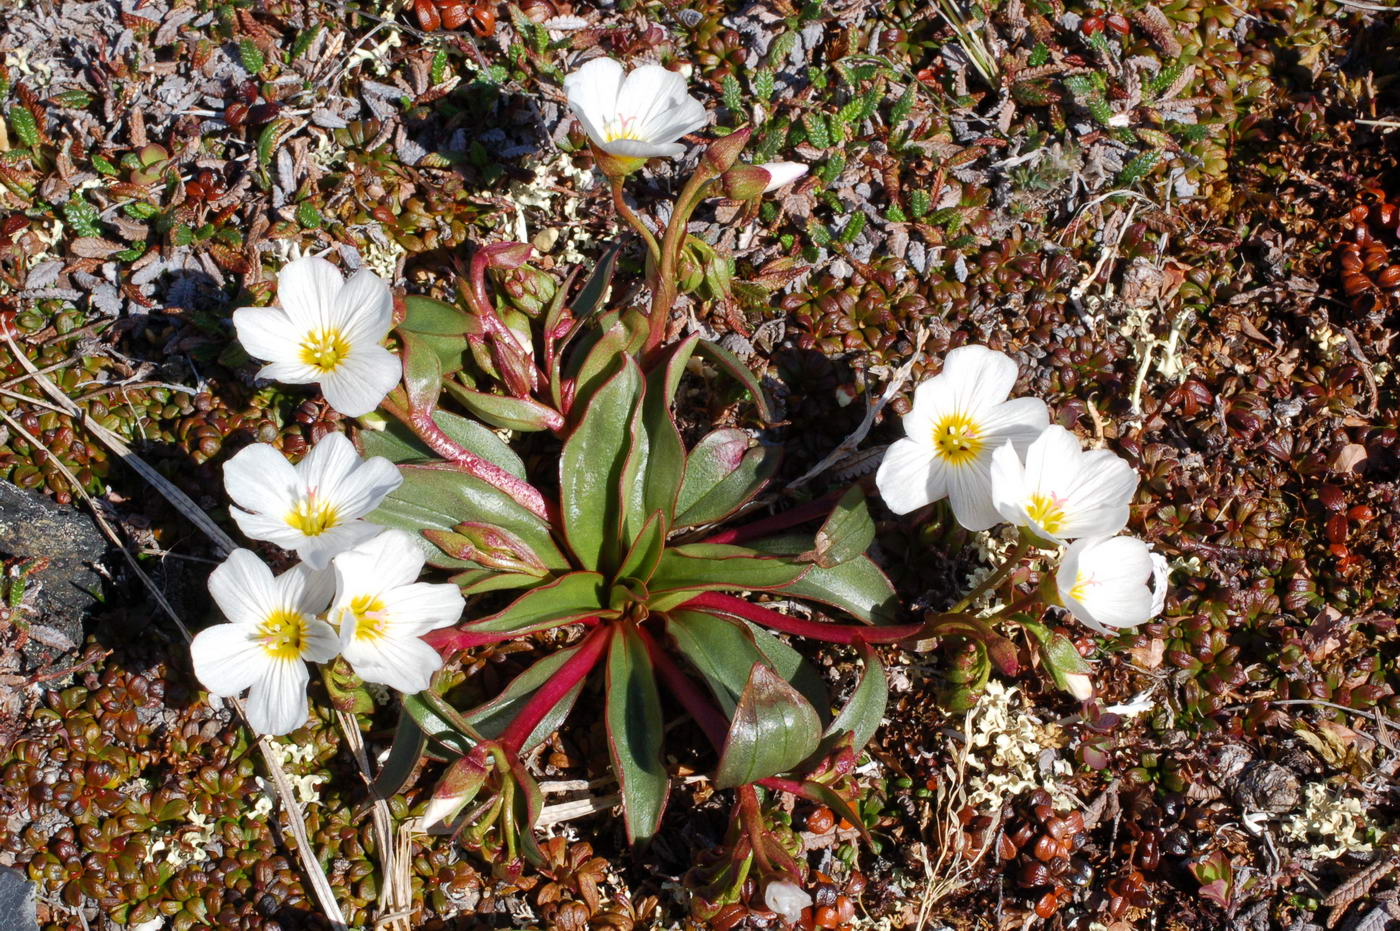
[(639, 117), (1063, 492), (273, 629), (960, 418), (314, 507), (383, 611), (781, 174), (328, 331), (1111, 583), (787, 899)]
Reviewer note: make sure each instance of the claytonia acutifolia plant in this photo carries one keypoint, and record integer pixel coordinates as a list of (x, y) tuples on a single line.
[(960, 418), (315, 507), (1038, 478), (274, 628), (383, 611), (327, 331)]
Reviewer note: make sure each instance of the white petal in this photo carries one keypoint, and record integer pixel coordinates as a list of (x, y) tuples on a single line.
[(267, 527), (228, 658), (277, 702), (933, 400), (243, 588), (1161, 573), (592, 94), (358, 491), (1009, 492), (1053, 461), (261, 480), (781, 174), (329, 463), (267, 333), (322, 643), (307, 289), (980, 377), (406, 664), (636, 148), (306, 590), (365, 309), (389, 560), (685, 116), (290, 373), (1098, 498), (647, 97), (361, 380), (1020, 420), (318, 551), (910, 476), (970, 494), (415, 609)]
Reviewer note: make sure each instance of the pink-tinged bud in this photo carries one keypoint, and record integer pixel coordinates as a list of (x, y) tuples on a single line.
[(744, 182), (781, 174), (507, 254), (458, 786), (1079, 685), (724, 152), (787, 899)]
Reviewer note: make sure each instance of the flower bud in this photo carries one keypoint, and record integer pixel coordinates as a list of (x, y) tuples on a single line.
[(507, 254), (724, 152), (787, 899), (458, 786), (744, 182), (1079, 685), (528, 289), (615, 166), (781, 174)]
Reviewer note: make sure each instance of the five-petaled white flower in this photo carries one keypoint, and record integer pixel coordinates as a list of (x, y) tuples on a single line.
[(328, 331), (781, 174), (1111, 583), (383, 611), (314, 507), (638, 117), (273, 629), (1062, 492), (959, 419)]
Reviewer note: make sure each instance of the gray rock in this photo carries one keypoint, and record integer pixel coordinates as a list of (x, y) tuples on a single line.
[(17, 909), (60, 594)]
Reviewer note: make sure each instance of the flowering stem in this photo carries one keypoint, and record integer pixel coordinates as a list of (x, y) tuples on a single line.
[(426, 429), (751, 817), (768, 525), (663, 294), (1013, 559), (831, 633), (553, 691), (635, 221), (447, 639), (711, 721)]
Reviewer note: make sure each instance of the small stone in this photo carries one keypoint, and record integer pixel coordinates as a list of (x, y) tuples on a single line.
[(17, 902)]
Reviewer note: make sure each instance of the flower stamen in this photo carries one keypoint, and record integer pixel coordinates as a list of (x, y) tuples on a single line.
[(1082, 583), (956, 438), (1047, 511), (370, 617), (313, 516), (324, 350), (282, 634)]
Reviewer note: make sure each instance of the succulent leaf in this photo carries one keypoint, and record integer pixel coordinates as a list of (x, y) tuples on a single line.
[(635, 727), (590, 470), (774, 729)]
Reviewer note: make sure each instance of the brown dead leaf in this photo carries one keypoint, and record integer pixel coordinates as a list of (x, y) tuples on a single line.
[(94, 247)]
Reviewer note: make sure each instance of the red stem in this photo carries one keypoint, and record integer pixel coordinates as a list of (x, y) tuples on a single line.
[(711, 721), (778, 784), (448, 639), (554, 690), (831, 633), (790, 518)]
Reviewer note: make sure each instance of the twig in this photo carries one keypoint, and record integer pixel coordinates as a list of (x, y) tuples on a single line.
[(320, 885), (1372, 7)]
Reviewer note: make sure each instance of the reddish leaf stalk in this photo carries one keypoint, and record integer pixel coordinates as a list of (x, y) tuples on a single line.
[(770, 525), (448, 639), (778, 784), (554, 690), (831, 633), (427, 430), (711, 721)]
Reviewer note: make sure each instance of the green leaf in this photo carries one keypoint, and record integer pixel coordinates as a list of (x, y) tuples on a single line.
[(490, 546), (24, 126), (569, 598), (793, 667), (721, 650), (733, 94), (251, 56), (666, 458), (440, 722), (303, 40), (436, 318), (439, 497), (866, 708), (82, 217), (736, 369), (398, 444), (102, 165), (763, 84), (523, 414), (308, 216), (422, 371), (635, 730), (267, 142), (732, 492), (599, 363), (631, 489), (590, 468), (717, 455), (404, 754), (492, 717), (856, 586), (685, 571), (774, 729), (590, 296), (847, 532), (645, 553)]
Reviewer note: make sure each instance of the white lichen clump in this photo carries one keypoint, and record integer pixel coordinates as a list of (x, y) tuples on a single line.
[(1331, 824), (553, 177), (1006, 745)]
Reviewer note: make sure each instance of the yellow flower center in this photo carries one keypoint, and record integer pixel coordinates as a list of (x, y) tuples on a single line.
[(370, 620), (1082, 583), (282, 634), (324, 350), (620, 128), (1047, 511), (956, 439), (312, 516)]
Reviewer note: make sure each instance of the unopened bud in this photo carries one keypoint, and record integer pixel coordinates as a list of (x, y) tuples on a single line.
[(744, 182), (507, 254), (528, 289), (457, 787), (781, 174), (787, 899), (724, 152), (1079, 685)]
